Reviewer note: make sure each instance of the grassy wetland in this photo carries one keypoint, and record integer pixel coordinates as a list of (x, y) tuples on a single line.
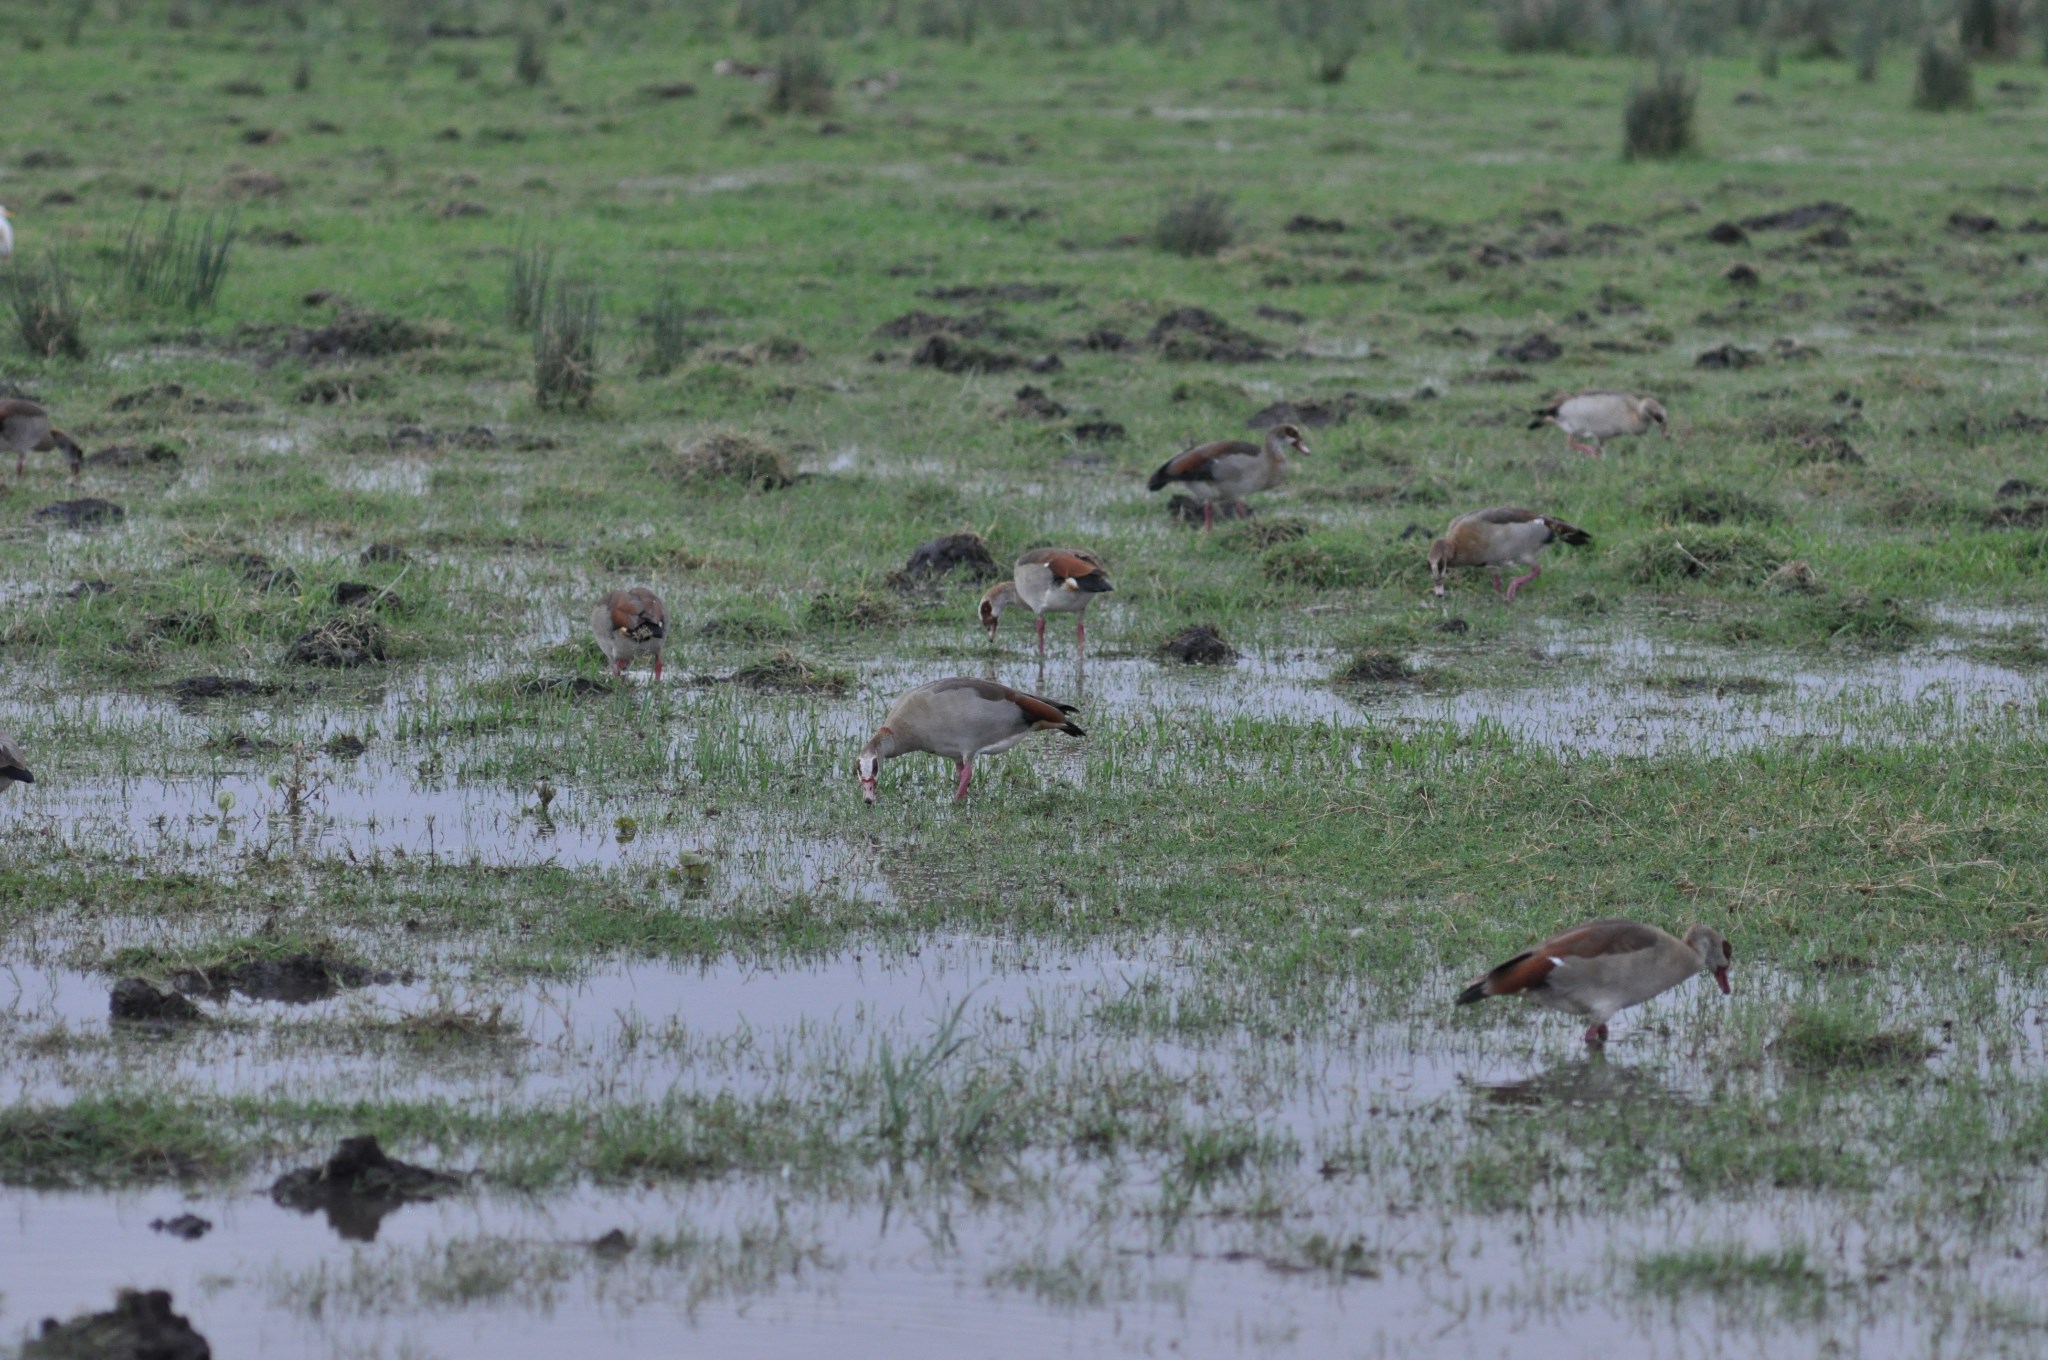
[(396, 336)]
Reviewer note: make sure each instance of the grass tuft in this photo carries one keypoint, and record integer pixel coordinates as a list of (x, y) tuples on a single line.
[(803, 81), (1525, 26), (1724, 556), (1726, 1270), (565, 358), (530, 59), (1656, 123), (1819, 1040), (734, 456), (47, 313), (526, 283), (173, 264), (668, 330), (1197, 223), (1941, 81), (109, 1141)]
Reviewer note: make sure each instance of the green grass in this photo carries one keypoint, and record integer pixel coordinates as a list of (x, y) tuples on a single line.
[(1295, 869)]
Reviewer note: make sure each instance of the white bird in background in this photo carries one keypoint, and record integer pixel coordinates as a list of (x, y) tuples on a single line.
[(6, 236)]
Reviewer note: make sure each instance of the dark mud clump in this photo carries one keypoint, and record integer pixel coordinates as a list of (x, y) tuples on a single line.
[(344, 643), (1302, 224), (260, 572), (566, 686), (135, 1001), (345, 746), (950, 355), (1198, 335), (1322, 414), (2031, 514), (358, 332), (1716, 686), (1201, 645), (140, 1326), (84, 513), (358, 595), (185, 1227), (1034, 404), (1099, 431), (1377, 668), (2017, 488), (1500, 377), (1727, 357), (358, 1186), (125, 456), (788, 673), (85, 590), (734, 456), (172, 398), (1188, 510), (998, 292), (913, 324), (1537, 347), (1742, 275), (199, 688), (387, 553), (943, 556), (296, 978), (1705, 503), (1822, 214), (1286, 316), (1727, 234), (1964, 223)]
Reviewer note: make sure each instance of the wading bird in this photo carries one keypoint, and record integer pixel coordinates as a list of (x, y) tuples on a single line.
[(1495, 538), (1597, 969), (1049, 581), (960, 719), (13, 769), (25, 428), (1601, 416), (1230, 469), (630, 624)]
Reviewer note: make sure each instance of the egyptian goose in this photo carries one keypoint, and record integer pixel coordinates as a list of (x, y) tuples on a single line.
[(959, 718), (630, 624), (1597, 969), (1049, 581), (1601, 416), (13, 769), (1230, 469), (1495, 538), (25, 428)]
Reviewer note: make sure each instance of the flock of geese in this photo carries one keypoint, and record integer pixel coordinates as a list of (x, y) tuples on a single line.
[(1592, 970)]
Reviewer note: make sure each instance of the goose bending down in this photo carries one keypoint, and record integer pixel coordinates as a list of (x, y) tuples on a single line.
[(25, 428), (13, 769), (959, 718), (1495, 538), (1049, 581), (1601, 416), (1597, 969), (1230, 469), (630, 624)]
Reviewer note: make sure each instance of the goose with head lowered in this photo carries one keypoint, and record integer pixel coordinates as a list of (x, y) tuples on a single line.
[(959, 718), (1228, 470), (1496, 538), (1601, 416), (25, 428), (630, 624), (13, 769), (1602, 967), (1049, 581)]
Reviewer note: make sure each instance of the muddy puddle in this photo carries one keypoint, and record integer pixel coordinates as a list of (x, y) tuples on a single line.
[(884, 1264)]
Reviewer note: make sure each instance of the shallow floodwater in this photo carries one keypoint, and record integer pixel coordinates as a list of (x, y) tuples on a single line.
[(885, 1265)]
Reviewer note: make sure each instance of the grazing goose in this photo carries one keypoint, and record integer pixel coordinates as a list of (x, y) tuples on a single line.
[(25, 428), (1230, 469), (959, 718), (1049, 581), (13, 769), (1597, 969), (630, 624), (1496, 537), (1601, 416)]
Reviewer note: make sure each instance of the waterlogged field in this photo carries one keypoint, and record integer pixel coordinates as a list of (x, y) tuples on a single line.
[(1148, 1046)]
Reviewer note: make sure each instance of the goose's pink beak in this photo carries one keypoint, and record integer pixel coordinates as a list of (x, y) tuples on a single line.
[(1721, 978), (868, 795)]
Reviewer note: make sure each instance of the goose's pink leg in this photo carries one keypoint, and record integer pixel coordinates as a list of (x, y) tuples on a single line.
[(1208, 513), (1597, 1035), (657, 665), (1041, 635), (1590, 450), (966, 773), (1080, 634), (1520, 581)]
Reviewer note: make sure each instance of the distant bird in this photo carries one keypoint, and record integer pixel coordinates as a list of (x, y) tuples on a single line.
[(6, 236), (1230, 469), (1495, 538), (630, 624), (1597, 969), (25, 428), (1049, 581), (13, 769), (960, 719), (1601, 416)]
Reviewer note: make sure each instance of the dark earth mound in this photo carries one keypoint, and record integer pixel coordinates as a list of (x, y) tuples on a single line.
[(358, 1187), (1201, 645), (140, 1326)]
